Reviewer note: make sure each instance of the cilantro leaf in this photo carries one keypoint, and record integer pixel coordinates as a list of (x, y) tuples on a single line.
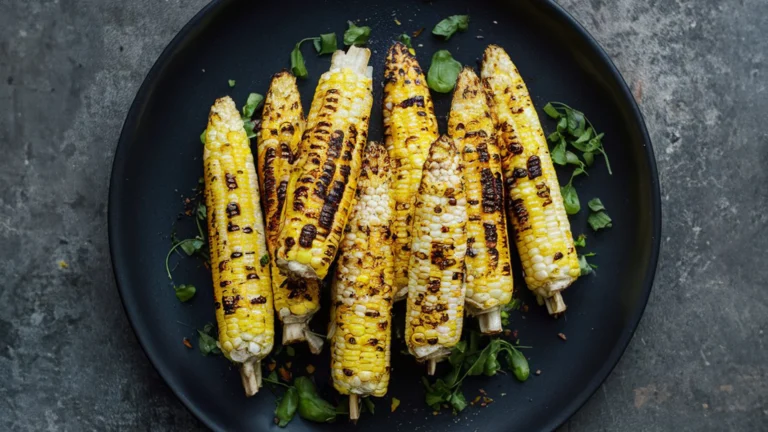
[(581, 241), (264, 260), (206, 340), (551, 111), (356, 35), (559, 153), (287, 407), (406, 40), (254, 101), (231, 83), (586, 267), (184, 292), (325, 44), (570, 199), (599, 220), (595, 205), (451, 25), (202, 136), (298, 67)]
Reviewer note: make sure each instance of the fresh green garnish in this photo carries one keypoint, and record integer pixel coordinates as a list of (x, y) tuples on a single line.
[(290, 351), (585, 267), (599, 220), (231, 83), (356, 35), (325, 44), (202, 137), (253, 102), (443, 72), (191, 246), (570, 197), (311, 405), (286, 407), (264, 260), (575, 129), (368, 405), (581, 241), (184, 292), (207, 340), (513, 304), (298, 67), (451, 25), (469, 359), (406, 40), (596, 205)]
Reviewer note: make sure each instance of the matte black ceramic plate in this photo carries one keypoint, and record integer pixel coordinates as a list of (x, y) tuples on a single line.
[(159, 158)]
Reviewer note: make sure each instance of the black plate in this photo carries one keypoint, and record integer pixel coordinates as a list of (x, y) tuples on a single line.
[(158, 159)]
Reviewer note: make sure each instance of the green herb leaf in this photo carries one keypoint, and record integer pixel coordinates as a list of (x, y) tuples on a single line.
[(368, 404), (190, 246), (492, 364), (581, 241), (576, 122), (599, 220), (184, 292), (202, 136), (558, 153), (286, 409), (570, 199), (451, 25), (405, 39), (571, 158), (437, 394), (290, 351), (586, 267), (202, 211), (585, 136), (518, 363), (356, 35), (231, 83), (264, 260), (443, 72), (595, 204), (206, 340), (551, 111), (254, 101), (325, 44), (562, 125), (589, 158), (272, 376), (311, 405), (555, 137), (457, 400), (298, 67)]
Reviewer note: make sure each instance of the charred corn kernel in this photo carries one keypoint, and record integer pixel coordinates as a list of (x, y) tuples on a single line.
[(362, 288), (410, 127), (324, 178), (278, 139), (435, 307), (489, 269), (535, 206), (323, 181), (237, 239)]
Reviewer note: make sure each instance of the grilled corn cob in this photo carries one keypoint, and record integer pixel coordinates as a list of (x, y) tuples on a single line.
[(362, 289), (236, 236), (281, 128), (489, 270), (534, 203), (410, 128), (435, 307), (324, 177)]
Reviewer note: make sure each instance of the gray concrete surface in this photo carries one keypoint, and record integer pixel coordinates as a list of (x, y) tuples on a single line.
[(70, 68)]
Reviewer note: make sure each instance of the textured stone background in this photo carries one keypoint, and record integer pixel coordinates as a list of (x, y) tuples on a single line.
[(70, 68)]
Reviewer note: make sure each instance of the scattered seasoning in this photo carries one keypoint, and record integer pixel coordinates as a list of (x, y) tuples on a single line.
[(503, 394), (397, 22), (495, 22), (186, 343), (284, 374), (480, 37), (63, 264), (434, 413), (475, 400), (272, 365), (507, 332), (525, 308), (562, 336), (288, 365), (482, 392), (395, 404), (310, 369), (538, 372), (231, 83), (418, 32)]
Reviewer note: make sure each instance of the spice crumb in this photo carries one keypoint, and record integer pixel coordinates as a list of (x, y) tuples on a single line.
[(705, 406), (503, 394), (288, 365), (63, 264), (395, 404), (272, 365), (495, 22), (186, 343), (480, 37), (310, 369), (397, 22), (284, 374), (538, 371), (482, 392), (562, 336)]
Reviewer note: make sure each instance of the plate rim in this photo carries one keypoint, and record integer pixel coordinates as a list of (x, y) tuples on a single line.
[(609, 363)]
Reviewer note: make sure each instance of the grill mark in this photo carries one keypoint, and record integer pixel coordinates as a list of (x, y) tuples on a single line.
[(438, 256), (230, 304), (542, 191), (307, 236), (259, 300), (331, 206), (298, 195), (520, 173), (269, 176), (247, 230), (233, 209), (231, 181), (491, 237), (223, 265), (335, 144), (232, 227), (519, 212), (558, 256), (236, 255), (491, 199), (225, 283), (414, 101), (329, 169), (252, 276), (286, 153), (534, 167)]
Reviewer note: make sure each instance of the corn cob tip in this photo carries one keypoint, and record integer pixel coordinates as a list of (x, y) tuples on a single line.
[(354, 408), (431, 367), (355, 59), (490, 322), (299, 332), (555, 304), (250, 374)]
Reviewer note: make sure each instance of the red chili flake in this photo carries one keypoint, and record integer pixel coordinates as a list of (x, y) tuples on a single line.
[(272, 365), (525, 308), (186, 343), (284, 374), (562, 336), (418, 32), (288, 365), (507, 332)]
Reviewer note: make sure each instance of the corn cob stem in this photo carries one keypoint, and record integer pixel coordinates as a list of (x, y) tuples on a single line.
[(490, 321), (431, 367), (354, 408), (250, 374)]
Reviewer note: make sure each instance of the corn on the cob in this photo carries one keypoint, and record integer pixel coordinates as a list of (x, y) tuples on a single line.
[(435, 307), (241, 280), (324, 177), (362, 289), (410, 127), (281, 129), (535, 205), (489, 270)]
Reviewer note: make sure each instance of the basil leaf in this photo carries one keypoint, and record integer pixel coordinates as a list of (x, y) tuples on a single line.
[(571, 158), (356, 35), (443, 72), (206, 342), (298, 67), (457, 400), (518, 363), (595, 204), (254, 101), (325, 44), (570, 199), (551, 111), (202, 136), (286, 409), (589, 158), (231, 83), (581, 241), (451, 25), (405, 39), (311, 405), (558, 153), (599, 220), (184, 292)]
